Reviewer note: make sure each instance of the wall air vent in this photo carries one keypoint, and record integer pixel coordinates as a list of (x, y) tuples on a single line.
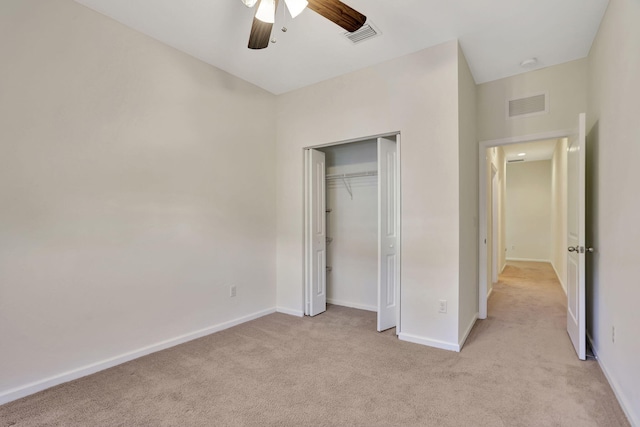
[(528, 106), (367, 32)]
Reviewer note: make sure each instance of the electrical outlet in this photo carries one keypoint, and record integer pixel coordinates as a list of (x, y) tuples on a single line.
[(613, 334), (232, 291), (442, 306)]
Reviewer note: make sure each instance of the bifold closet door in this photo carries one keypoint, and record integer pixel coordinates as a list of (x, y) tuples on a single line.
[(388, 231), (316, 233)]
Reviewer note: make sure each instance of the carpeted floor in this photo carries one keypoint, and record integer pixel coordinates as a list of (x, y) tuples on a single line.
[(517, 369)]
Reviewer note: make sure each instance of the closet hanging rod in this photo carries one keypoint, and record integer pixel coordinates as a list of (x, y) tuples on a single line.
[(351, 175)]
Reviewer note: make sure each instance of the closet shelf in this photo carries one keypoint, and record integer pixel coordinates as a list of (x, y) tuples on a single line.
[(351, 175)]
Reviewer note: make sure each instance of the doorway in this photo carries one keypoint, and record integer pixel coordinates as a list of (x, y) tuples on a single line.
[(569, 228), (352, 227), (493, 248)]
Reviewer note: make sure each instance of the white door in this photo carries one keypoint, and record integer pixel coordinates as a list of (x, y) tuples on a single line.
[(316, 234), (576, 159), (388, 230)]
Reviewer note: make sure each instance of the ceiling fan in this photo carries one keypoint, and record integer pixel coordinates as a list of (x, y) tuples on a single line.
[(264, 18)]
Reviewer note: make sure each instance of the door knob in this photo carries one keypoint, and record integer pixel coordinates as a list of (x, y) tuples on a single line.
[(579, 249)]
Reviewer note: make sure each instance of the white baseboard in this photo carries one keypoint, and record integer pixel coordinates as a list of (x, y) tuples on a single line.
[(627, 407), (503, 267), (290, 311), (490, 292), (36, 386), (352, 305), (564, 287), (429, 342), (529, 260), (468, 331)]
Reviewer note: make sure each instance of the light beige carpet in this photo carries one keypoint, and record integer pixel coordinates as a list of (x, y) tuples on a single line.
[(517, 369)]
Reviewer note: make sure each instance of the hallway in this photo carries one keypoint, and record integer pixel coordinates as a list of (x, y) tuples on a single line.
[(529, 294), (525, 334)]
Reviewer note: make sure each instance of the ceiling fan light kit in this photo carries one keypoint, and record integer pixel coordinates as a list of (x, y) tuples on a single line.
[(267, 11), (264, 18), (296, 6)]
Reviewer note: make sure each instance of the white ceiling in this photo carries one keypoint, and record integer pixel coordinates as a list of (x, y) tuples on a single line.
[(538, 150), (495, 35)]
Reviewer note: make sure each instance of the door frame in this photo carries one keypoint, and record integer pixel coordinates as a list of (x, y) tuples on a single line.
[(482, 203), (398, 208), (494, 225)]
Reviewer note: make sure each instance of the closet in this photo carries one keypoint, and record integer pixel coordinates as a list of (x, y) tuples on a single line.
[(352, 224), (352, 227)]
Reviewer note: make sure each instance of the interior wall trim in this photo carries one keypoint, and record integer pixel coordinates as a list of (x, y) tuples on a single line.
[(530, 260), (562, 284), (82, 371), (352, 305), (429, 342), (627, 407), (468, 331), (290, 311)]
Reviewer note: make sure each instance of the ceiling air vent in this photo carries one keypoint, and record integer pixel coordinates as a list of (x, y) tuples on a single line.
[(529, 106), (515, 160), (366, 32)]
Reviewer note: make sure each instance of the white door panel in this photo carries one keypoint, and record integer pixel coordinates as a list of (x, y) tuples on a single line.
[(316, 234), (576, 161), (387, 233)]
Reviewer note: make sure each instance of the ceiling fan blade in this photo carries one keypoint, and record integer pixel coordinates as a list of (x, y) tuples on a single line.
[(339, 13), (260, 34), (261, 30)]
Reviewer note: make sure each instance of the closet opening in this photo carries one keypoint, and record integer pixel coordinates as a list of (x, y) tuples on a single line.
[(352, 227)]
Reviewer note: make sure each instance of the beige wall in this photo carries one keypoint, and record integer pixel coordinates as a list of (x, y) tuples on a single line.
[(567, 89), (613, 150), (133, 192), (413, 94), (468, 193), (559, 211), (528, 211)]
